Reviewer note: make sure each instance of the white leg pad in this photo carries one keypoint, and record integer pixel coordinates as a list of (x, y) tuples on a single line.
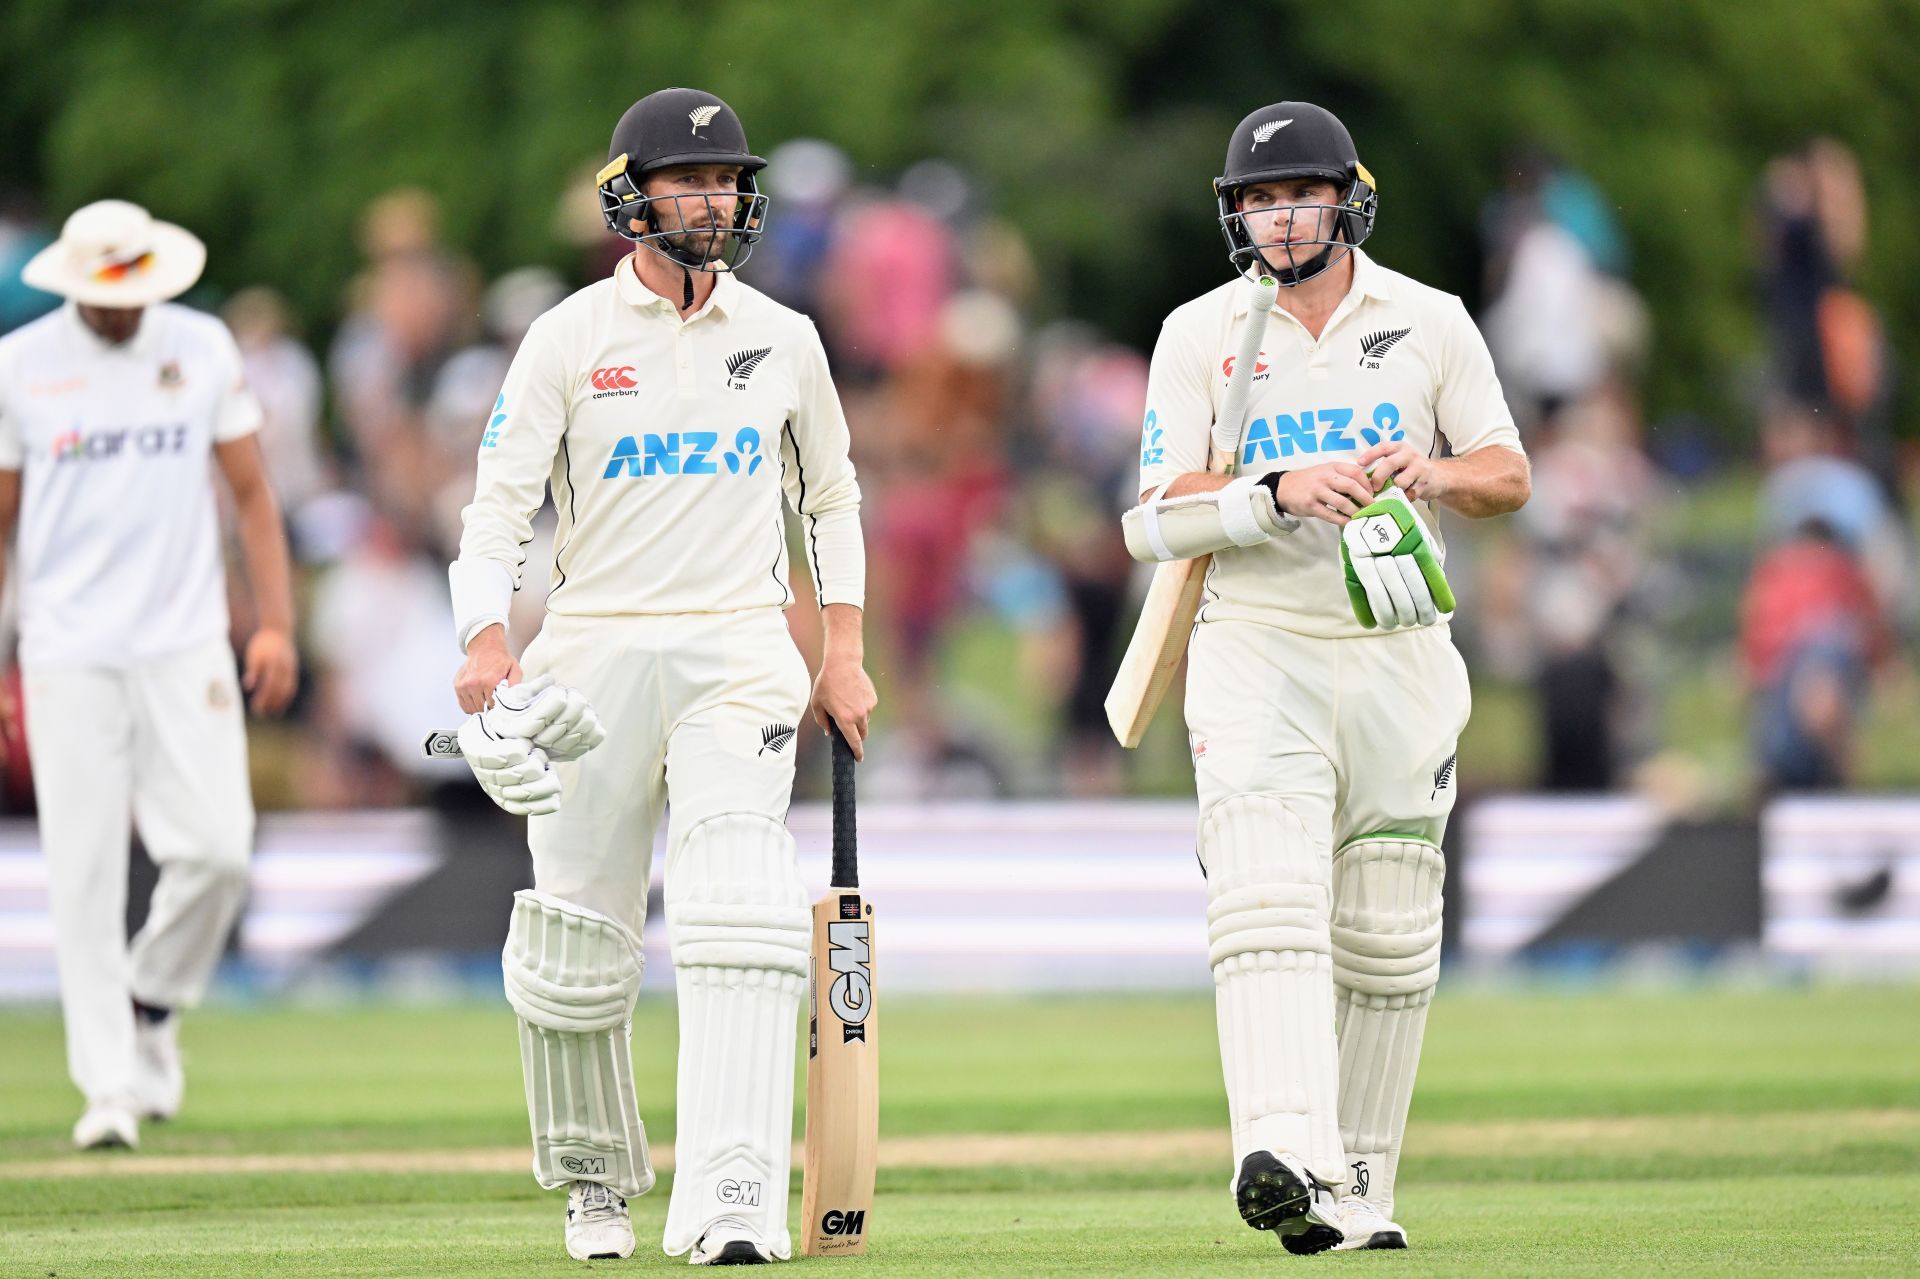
[(740, 927), (573, 976), (1267, 878), (1386, 960)]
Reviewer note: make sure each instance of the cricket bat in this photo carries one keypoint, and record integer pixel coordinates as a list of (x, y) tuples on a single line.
[(843, 1062), (1166, 619)]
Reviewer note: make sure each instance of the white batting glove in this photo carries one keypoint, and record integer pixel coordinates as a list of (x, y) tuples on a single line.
[(555, 718), (513, 771)]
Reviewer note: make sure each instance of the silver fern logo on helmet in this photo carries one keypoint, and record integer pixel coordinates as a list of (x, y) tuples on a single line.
[(1264, 131), (702, 117)]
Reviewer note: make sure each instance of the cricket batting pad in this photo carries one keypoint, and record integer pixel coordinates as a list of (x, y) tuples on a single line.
[(573, 975), (1272, 977), (740, 925), (1386, 960)]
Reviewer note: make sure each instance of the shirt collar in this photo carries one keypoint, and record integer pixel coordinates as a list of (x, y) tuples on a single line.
[(626, 281), (141, 343), (1369, 281)]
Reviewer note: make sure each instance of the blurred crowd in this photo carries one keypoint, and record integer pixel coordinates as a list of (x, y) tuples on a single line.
[(996, 451)]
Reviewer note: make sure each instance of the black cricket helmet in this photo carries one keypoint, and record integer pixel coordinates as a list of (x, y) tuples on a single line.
[(1294, 140), (683, 126)]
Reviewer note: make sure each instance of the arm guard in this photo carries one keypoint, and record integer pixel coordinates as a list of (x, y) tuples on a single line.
[(1180, 528)]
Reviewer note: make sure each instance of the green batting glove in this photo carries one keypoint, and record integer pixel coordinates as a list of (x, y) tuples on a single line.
[(1392, 574)]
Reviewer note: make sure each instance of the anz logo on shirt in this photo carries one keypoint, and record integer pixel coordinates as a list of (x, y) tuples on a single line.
[(142, 441), (1317, 431), (1152, 453), (684, 453), (494, 424)]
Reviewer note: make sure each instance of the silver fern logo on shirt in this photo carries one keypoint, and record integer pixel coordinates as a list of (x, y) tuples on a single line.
[(1374, 346), (741, 364)]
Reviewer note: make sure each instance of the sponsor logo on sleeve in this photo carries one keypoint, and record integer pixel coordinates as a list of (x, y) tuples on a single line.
[(495, 424), (1151, 452)]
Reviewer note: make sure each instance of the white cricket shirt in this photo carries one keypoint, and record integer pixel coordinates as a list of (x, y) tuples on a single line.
[(667, 444), (1396, 359), (118, 547)]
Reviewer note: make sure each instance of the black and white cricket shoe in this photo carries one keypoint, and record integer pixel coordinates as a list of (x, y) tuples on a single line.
[(729, 1241), (1277, 1193), (598, 1225)]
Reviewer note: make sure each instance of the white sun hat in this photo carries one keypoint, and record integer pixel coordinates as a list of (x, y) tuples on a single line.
[(115, 254)]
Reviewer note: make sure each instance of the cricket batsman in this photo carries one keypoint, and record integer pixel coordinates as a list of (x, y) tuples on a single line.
[(668, 407), (1324, 694), (115, 413)]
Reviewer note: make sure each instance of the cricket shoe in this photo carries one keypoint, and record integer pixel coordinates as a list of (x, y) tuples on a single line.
[(158, 1081), (597, 1223), (105, 1126), (1277, 1193), (1366, 1227), (729, 1242)]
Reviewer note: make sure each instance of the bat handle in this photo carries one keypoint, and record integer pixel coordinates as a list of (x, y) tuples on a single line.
[(846, 862)]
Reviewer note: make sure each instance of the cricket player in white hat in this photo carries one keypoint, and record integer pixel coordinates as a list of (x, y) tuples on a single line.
[(111, 411), (669, 407), (1324, 694)]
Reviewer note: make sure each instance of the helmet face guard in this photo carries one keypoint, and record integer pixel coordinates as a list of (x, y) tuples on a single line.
[(700, 234), (1267, 236)]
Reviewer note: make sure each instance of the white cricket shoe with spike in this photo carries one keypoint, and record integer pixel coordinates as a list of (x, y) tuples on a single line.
[(598, 1225), (1366, 1227), (1277, 1193), (106, 1125), (158, 1081), (729, 1242)]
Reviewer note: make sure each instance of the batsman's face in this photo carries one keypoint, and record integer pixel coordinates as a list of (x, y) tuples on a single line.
[(1294, 211), (697, 213)]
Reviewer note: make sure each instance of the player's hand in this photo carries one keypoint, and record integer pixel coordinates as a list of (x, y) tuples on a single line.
[(1332, 491), (1421, 478), (514, 772), (488, 662), (843, 695), (271, 671)]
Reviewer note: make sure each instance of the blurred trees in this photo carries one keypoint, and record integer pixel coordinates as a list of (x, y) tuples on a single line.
[(266, 125)]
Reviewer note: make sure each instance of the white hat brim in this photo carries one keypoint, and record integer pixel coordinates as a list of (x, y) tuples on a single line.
[(178, 259)]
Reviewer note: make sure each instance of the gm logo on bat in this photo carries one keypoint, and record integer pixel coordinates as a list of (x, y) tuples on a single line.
[(836, 1222), (850, 954)]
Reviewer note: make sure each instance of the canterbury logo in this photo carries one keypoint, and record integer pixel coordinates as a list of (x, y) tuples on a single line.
[(1375, 345), (702, 117), (618, 378), (741, 364), (1442, 778), (1261, 132), (774, 737)]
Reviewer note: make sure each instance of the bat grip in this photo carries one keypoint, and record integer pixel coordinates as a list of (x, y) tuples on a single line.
[(846, 862)]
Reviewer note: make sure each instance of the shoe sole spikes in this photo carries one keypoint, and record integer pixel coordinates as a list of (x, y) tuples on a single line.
[(1271, 1197)]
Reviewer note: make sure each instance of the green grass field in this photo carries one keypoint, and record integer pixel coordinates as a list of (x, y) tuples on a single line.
[(1699, 1132)]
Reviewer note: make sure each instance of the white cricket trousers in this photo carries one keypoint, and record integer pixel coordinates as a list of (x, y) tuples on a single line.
[(1357, 736), (160, 746), (701, 711)]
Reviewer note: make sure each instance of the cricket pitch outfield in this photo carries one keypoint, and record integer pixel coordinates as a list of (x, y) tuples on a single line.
[(1689, 1132)]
